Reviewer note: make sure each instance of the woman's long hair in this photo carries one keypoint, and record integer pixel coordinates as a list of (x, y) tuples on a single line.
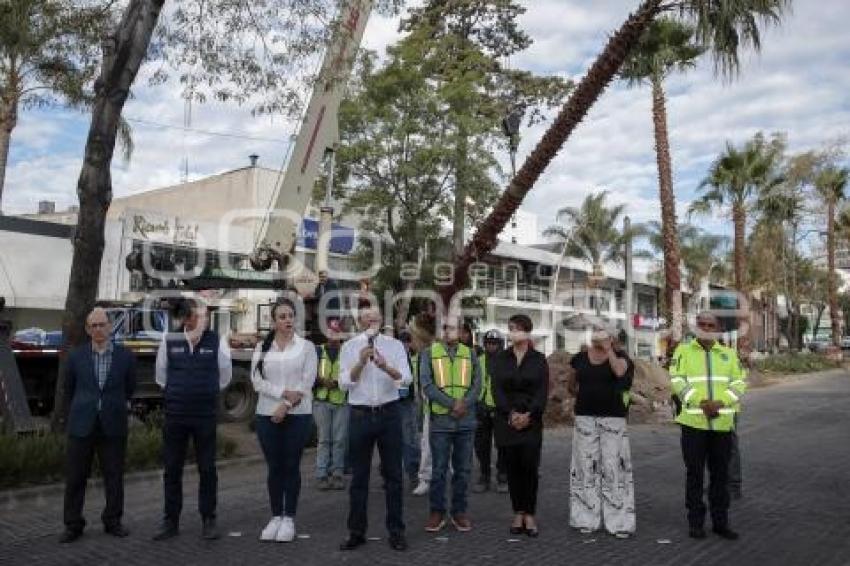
[(269, 339)]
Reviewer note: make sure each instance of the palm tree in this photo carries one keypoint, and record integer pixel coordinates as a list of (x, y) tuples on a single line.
[(589, 233), (735, 180), (725, 27), (830, 184), (48, 53), (666, 46), (701, 252)]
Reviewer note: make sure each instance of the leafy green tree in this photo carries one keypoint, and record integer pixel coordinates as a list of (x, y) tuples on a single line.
[(461, 46)]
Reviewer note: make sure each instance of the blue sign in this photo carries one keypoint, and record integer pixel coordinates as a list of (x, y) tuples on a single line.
[(342, 237)]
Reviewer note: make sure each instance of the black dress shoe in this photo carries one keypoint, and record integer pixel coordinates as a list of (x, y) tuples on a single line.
[(353, 541), (167, 530), (696, 532), (532, 533), (398, 542), (116, 530), (517, 530), (725, 532), (70, 535), (209, 531)]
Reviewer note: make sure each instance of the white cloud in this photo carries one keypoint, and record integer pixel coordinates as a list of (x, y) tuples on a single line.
[(799, 84)]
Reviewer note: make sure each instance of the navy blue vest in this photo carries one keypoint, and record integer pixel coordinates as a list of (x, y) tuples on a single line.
[(192, 383)]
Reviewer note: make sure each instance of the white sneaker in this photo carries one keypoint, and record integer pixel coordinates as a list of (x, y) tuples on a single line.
[(270, 532), (422, 488), (286, 532)]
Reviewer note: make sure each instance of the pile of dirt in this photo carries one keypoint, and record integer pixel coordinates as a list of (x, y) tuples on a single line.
[(650, 393)]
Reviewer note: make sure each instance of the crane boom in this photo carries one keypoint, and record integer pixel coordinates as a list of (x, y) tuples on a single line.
[(319, 132)]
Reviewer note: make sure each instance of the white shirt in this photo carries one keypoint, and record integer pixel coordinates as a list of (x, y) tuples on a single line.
[(225, 366), (292, 369), (375, 386)]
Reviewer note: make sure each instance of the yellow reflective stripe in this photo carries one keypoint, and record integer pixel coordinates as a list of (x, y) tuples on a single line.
[(702, 378), (441, 373)]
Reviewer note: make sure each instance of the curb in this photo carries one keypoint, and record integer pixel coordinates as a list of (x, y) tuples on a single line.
[(56, 489)]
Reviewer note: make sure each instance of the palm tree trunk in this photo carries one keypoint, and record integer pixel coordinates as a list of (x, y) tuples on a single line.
[(672, 274), (8, 121), (123, 53), (602, 72), (739, 219), (832, 292)]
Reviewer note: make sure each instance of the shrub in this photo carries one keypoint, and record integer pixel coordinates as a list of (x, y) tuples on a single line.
[(795, 363), (40, 458)]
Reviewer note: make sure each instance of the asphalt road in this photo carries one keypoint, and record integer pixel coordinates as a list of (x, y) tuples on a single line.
[(795, 441)]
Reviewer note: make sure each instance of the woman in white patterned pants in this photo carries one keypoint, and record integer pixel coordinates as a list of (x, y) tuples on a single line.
[(601, 483)]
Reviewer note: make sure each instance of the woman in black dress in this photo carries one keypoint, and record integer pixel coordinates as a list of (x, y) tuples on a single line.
[(520, 380)]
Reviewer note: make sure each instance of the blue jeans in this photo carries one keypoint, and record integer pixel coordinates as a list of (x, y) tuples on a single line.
[(410, 438), (332, 425), (282, 445), (457, 445), (367, 428)]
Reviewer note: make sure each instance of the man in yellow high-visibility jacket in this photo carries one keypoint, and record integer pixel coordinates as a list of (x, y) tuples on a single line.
[(451, 380), (708, 379)]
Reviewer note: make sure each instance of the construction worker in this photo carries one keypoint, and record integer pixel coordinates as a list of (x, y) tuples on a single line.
[(330, 410), (451, 380), (709, 380), (493, 344)]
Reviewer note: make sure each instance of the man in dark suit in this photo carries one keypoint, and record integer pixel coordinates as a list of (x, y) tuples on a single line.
[(99, 384)]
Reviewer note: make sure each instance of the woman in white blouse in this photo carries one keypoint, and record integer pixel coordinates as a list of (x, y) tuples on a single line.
[(283, 370)]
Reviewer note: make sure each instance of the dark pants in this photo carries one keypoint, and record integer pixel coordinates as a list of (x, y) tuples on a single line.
[(282, 444), (522, 462), (366, 429), (80, 453), (484, 445), (175, 436), (701, 447)]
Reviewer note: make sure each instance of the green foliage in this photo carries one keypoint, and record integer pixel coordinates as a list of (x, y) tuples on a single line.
[(795, 363), (40, 458), (700, 251), (420, 132), (590, 232), (739, 176), (49, 50), (726, 27), (667, 45)]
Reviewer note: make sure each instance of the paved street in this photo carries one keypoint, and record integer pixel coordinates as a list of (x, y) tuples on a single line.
[(796, 509)]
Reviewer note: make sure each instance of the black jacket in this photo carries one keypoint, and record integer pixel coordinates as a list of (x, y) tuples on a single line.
[(82, 392), (523, 388)]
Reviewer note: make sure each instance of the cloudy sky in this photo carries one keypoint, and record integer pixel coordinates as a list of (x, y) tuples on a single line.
[(799, 84)]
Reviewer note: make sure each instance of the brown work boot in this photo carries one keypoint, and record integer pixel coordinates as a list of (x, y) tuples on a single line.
[(436, 522), (462, 523)]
